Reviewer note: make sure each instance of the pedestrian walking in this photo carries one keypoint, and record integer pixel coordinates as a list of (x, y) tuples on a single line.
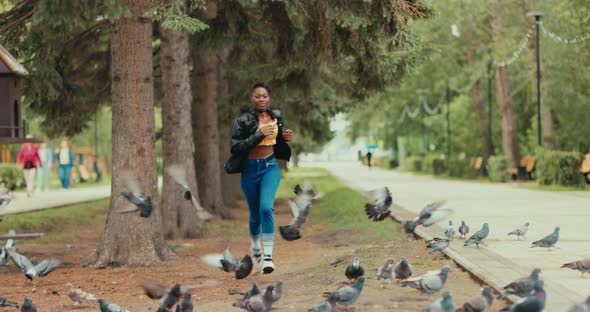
[(65, 159), (369, 156), (28, 159), (44, 170)]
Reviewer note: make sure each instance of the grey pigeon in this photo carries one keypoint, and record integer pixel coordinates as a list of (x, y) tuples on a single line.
[(463, 229), (444, 304), (4, 202), (178, 173), (110, 307), (5, 303), (581, 307), (437, 244), (135, 196), (478, 237), (548, 241), (4, 253), (28, 306), (520, 231), (155, 290), (348, 295), (582, 265), (535, 302), (77, 295), (429, 283), (379, 210), (450, 231), (355, 270), (521, 287), (252, 292), (403, 269), (42, 269), (258, 303), (429, 215), (385, 272), (171, 298), (277, 292), (327, 306), (300, 209), (307, 192), (186, 305), (480, 303), (229, 263)]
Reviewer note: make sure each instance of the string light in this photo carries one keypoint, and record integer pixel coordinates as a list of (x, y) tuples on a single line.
[(558, 38), (518, 52)]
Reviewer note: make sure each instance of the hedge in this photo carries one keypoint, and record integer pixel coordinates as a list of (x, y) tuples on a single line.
[(11, 176), (414, 163), (462, 168), (387, 162), (434, 164), (559, 167), (497, 169)]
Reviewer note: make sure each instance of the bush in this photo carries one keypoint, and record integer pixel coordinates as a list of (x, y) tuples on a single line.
[(434, 164), (497, 169), (559, 167), (413, 163), (386, 162), (462, 168), (11, 176)]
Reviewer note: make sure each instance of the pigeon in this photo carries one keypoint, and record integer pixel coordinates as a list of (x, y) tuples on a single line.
[(429, 283), (463, 229), (186, 305), (581, 307), (428, 216), (277, 291), (4, 202), (42, 269), (348, 295), (258, 303), (438, 244), (403, 269), (444, 304), (110, 307), (355, 270), (135, 196), (521, 287), (379, 210), (450, 231), (385, 272), (327, 306), (547, 241), (582, 265), (300, 211), (178, 173), (79, 296), (28, 306), (534, 302), (520, 231), (480, 303), (478, 237), (155, 290), (252, 292), (307, 191), (229, 263), (171, 299), (5, 303), (4, 253)]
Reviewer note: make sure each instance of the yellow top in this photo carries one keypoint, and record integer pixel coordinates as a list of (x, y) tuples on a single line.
[(271, 139)]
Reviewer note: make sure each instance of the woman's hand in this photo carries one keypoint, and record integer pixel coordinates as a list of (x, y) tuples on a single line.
[(267, 129), (288, 135)]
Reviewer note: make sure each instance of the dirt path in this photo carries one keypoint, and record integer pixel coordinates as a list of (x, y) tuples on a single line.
[(303, 265)]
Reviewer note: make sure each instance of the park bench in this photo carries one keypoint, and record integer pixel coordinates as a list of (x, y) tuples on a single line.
[(525, 169), (477, 164), (585, 167)]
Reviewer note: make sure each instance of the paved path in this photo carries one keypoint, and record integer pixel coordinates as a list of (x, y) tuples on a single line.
[(55, 198), (504, 207)]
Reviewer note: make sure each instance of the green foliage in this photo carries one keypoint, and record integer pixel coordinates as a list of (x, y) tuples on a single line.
[(434, 164), (559, 168), (497, 166), (11, 176), (388, 162), (461, 168), (413, 163)]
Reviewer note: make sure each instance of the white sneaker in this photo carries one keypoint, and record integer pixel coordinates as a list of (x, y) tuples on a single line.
[(267, 265), (257, 257)]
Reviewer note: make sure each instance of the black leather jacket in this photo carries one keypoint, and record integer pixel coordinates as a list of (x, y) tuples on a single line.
[(245, 134)]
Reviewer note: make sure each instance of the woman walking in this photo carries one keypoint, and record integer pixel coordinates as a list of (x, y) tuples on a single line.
[(65, 159), (28, 159), (258, 139)]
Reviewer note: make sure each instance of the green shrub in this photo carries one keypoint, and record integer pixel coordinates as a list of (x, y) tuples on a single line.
[(11, 176), (434, 164), (386, 162), (461, 168), (413, 163), (559, 167), (497, 166)]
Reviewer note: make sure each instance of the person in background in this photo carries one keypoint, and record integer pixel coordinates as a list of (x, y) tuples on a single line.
[(44, 170), (65, 159), (369, 156), (28, 159)]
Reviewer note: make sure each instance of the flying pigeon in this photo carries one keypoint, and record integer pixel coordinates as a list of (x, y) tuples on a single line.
[(402, 269), (478, 237), (520, 231), (444, 304), (438, 244), (229, 263), (429, 283), (521, 287), (534, 302), (110, 307), (155, 290), (329, 305), (582, 265), (548, 241), (4, 202), (385, 272), (42, 269), (450, 231), (307, 191), (6, 303), (135, 196), (178, 173), (300, 210), (171, 299), (79, 296), (463, 229), (258, 303), (186, 305), (379, 210), (252, 291), (28, 306), (428, 216), (4, 253), (355, 270), (276, 293), (481, 303), (348, 295), (581, 307)]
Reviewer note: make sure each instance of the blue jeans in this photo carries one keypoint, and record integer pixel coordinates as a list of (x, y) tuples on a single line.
[(64, 175), (260, 180)]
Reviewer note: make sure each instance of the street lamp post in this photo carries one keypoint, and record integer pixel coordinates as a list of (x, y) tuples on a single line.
[(537, 16)]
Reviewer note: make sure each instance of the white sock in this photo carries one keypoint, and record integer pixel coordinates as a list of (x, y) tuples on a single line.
[(255, 244), (268, 244)]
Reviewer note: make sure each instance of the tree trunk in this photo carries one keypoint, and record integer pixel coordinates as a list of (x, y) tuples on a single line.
[(502, 86), (205, 125), (130, 240), (480, 109), (180, 217)]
